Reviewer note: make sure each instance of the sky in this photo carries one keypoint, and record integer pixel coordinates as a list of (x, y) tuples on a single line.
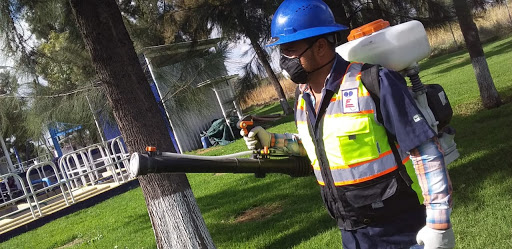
[(7, 62), (4, 61), (236, 59)]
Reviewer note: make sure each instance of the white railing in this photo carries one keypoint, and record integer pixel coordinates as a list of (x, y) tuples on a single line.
[(81, 169), (23, 166), (76, 169), (12, 200), (123, 156), (47, 181)]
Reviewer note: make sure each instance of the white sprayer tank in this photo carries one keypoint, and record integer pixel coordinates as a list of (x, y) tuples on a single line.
[(395, 47)]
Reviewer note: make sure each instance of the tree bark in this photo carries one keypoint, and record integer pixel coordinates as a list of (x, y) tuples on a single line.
[(488, 92), (174, 214)]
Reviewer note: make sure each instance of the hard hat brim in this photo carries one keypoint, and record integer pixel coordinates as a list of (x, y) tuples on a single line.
[(304, 34)]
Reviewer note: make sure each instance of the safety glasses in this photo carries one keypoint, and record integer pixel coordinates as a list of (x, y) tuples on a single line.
[(300, 55)]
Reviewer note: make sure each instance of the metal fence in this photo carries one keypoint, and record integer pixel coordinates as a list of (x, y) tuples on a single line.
[(99, 163), (23, 166)]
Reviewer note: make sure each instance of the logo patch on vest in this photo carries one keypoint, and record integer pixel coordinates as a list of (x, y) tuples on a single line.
[(350, 101)]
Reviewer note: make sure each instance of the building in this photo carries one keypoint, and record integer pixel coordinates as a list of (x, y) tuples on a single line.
[(193, 87)]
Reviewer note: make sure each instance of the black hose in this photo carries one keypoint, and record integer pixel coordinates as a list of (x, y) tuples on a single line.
[(417, 85)]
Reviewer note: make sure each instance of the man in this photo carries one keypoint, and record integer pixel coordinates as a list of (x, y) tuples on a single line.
[(364, 176)]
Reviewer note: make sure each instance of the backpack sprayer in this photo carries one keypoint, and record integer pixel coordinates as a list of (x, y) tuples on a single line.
[(399, 48)]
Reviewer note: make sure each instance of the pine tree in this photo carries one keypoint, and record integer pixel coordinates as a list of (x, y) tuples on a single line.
[(172, 208)]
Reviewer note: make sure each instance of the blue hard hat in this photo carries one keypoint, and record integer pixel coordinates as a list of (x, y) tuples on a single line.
[(295, 20)]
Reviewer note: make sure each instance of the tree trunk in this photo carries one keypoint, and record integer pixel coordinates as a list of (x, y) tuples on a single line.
[(453, 34), (488, 92), (377, 10), (176, 219), (340, 16), (262, 55)]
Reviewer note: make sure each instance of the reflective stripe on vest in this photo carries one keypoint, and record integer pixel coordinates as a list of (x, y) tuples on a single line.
[(356, 145)]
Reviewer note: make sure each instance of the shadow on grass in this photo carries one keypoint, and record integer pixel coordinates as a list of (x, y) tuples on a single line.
[(484, 142), (506, 95), (502, 48), (142, 221), (461, 60), (274, 108), (302, 214), (441, 60), (284, 119)]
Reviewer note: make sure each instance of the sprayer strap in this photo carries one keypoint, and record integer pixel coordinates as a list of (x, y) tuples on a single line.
[(370, 79)]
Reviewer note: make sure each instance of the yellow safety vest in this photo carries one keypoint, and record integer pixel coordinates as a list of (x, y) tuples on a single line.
[(356, 145)]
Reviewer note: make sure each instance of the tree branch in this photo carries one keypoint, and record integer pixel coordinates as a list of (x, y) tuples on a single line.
[(48, 96)]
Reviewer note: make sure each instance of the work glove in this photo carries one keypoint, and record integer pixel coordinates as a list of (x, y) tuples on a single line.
[(257, 138), (436, 239)]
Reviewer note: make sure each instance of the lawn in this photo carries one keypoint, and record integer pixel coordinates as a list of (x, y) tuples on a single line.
[(242, 211)]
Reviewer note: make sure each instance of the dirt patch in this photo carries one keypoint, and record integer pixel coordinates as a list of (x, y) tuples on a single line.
[(259, 213), (202, 151), (468, 109), (75, 242)]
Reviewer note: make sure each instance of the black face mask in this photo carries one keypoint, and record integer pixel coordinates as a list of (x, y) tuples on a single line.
[(293, 69)]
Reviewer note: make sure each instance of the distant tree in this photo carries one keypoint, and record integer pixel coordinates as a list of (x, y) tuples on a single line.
[(147, 24), (341, 11), (235, 19), (244, 19), (12, 111), (176, 219), (8, 83), (64, 64), (58, 57), (354, 13), (488, 93)]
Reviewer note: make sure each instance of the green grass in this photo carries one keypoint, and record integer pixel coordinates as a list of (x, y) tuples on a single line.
[(482, 181), (121, 221)]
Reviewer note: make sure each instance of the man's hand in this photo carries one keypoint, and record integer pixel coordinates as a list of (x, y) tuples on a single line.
[(257, 138), (436, 239)]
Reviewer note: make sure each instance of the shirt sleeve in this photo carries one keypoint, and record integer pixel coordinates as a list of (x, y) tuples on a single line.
[(288, 143), (435, 183), (400, 113)]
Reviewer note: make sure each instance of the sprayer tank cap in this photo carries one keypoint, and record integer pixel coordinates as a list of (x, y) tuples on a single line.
[(367, 29)]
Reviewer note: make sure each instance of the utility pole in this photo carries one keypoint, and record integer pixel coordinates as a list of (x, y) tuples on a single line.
[(7, 155), (95, 119), (2, 142)]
